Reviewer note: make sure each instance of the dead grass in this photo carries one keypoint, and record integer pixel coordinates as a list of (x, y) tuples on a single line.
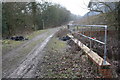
[(65, 60)]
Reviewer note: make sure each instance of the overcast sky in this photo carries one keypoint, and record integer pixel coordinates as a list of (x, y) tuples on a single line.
[(78, 7)]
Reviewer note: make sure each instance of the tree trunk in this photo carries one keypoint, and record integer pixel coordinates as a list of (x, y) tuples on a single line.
[(118, 70)]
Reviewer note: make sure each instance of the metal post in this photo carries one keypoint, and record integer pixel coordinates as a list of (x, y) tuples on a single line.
[(77, 28), (43, 24), (105, 46), (67, 26), (90, 40), (82, 33)]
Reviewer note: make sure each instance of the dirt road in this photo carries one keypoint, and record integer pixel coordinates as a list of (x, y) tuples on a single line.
[(21, 62)]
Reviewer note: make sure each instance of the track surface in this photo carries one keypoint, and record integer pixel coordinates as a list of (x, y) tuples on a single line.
[(25, 66)]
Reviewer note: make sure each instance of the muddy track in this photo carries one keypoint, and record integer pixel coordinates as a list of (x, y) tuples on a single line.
[(24, 45), (26, 66)]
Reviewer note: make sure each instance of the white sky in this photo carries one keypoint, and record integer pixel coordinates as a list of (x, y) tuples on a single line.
[(78, 7)]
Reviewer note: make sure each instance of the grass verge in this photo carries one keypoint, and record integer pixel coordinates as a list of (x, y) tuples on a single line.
[(8, 45)]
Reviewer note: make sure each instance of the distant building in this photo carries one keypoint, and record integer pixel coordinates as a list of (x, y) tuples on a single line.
[(102, 6)]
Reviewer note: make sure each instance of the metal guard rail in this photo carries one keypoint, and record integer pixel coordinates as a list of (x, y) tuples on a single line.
[(105, 37)]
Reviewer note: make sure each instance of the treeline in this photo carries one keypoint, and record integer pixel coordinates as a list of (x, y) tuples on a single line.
[(19, 17)]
